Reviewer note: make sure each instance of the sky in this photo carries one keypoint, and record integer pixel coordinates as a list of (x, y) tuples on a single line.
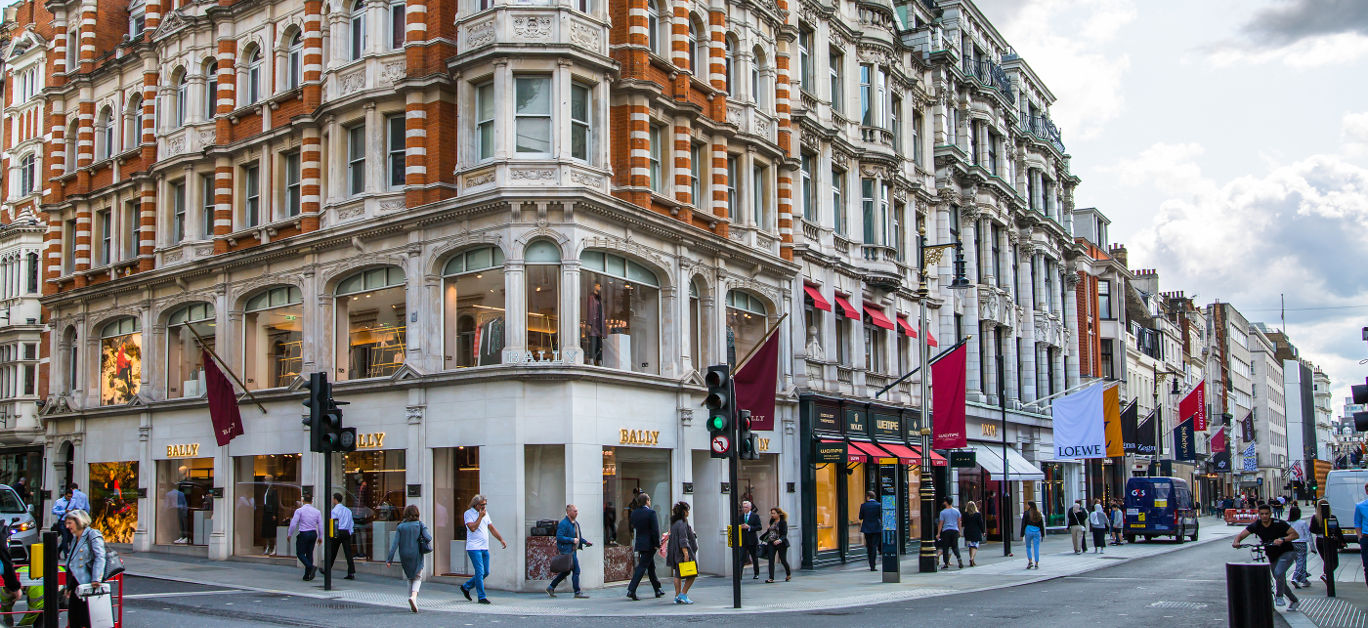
[(1228, 143)]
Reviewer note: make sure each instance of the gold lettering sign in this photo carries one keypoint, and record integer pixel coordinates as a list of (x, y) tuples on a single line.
[(891, 426), (187, 450), (989, 429), (649, 438), (375, 440), (764, 443)]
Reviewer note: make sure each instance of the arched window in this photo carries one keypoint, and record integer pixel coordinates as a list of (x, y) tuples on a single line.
[(758, 86), (253, 76), (619, 313), (294, 61), (273, 337), (32, 268), (654, 36), (698, 48), (475, 327), (120, 361), (104, 140), (696, 343), (135, 125), (184, 352), (69, 153), (72, 363), (747, 321), (210, 89), (182, 97), (27, 174), (397, 24), (543, 299), (371, 308), (357, 40), (730, 44)]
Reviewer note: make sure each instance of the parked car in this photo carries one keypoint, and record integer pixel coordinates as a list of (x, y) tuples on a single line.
[(23, 527), (1159, 506), (1344, 490)]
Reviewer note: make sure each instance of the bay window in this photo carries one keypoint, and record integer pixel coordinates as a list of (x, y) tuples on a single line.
[(580, 112), (210, 89), (396, 132), (356, 159), (184, 355), (273, 338), (371, 309), (357, 31), (542, 267), (484, 119), (397, 24), (747, 322), (532, 100), (619, 313), (178, 211), (120, 361), (475, 327)]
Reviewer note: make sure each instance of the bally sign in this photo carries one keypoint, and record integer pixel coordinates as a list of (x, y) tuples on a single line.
[(650, 438), (374, 440), (187, 450), (763, 444)]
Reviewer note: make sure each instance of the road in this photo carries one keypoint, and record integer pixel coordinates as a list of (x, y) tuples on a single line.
[(1186, 586)]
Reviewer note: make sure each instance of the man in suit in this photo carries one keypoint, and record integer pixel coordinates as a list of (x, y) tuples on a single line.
[(750, 524), (647, 529), (871, 525)]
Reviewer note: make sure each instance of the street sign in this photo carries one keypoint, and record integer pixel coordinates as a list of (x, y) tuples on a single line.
[(721, 444), (963, 459)]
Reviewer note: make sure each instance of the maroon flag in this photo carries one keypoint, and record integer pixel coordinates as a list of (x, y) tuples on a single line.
[(223, 406), (755, 382), (1218, 443), (947, 400), (1194, 405)]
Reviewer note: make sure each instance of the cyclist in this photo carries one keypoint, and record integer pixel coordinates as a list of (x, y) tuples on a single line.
[(1277, 536)]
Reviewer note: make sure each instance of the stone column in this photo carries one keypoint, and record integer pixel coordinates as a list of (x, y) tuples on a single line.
[(970, 311), (1072, 346), (1026, 328)]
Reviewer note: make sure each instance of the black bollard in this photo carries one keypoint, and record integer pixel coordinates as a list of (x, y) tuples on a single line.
[(1249, 595), (52, 606)]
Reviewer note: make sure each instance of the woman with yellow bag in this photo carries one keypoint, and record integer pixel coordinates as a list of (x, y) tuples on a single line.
[(681, 553)]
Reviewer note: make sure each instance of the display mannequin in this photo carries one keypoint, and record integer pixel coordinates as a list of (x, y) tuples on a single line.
[(595, 328)]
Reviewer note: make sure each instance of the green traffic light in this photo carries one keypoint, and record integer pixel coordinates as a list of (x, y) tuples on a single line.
[(718, 423)]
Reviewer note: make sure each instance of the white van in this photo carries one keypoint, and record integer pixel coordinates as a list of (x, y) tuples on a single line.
[(1344, 490)]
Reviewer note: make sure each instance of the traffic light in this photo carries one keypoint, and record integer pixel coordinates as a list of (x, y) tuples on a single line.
[(1361, 398), (721, 436), (748, 443), (317, 403)]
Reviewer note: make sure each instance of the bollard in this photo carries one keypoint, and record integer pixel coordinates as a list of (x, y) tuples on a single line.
[(1249, 595), (52, 604)]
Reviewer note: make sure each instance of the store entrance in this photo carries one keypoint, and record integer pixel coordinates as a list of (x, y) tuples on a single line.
[(627, 472), (185, 488)]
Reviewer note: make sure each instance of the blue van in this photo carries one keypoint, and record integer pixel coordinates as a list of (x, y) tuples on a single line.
[(1159, 507)]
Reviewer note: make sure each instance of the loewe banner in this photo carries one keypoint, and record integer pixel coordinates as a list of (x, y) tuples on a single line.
[(1078, 425)]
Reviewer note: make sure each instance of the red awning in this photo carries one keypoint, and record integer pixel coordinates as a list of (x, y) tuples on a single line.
[(878, 317), (937, 460), (870, 449), (906, 327), (848, 309), (815, 294), (931, 340), (904, 453)]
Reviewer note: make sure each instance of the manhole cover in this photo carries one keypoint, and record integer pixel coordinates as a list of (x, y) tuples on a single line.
[(1178, 605)]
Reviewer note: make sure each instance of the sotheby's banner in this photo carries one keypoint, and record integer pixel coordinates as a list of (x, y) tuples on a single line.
[(1078, 425)]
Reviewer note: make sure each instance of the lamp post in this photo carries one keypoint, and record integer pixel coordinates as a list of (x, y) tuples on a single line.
[(1159, 416), (930, 254)]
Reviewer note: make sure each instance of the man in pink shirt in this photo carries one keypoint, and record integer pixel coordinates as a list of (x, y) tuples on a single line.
[(308, 522)]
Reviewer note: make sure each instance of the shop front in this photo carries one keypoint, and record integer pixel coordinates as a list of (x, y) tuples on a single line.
[(185, 490), (983, 484)]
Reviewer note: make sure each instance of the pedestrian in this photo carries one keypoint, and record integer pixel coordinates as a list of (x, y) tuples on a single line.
[(307, 522), (871, 525), (479, 527), (647, 529), (59, 511), (777, 538), (85, 564), (78, 500), (1300, 545), (21, 487), (1032, 531), (750, 530), (1329, 538), (1097, 522), (948, 533), (569, 540), (681, 548), (1360, 521), (411, 540), (344, 526), (973, 530), (1277, 504), (1277, 537), (1078, 522), (1117, 521)]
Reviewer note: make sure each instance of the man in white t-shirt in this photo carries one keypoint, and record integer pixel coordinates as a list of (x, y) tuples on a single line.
[(478, 529)]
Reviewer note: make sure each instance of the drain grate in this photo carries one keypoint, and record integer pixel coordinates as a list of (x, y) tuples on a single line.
[(1179, 605), (1333, 613)]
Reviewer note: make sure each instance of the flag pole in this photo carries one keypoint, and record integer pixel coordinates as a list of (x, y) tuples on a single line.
[(763, 339), (229, 370)]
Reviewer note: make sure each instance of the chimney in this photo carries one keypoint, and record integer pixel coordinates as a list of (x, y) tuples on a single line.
[(1118, 252)]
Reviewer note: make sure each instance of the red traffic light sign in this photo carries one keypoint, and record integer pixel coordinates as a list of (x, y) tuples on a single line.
[(721, 444)]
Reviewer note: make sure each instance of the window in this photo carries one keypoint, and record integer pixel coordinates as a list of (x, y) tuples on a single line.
[(371, 308), (880, 88), (867, 204), (974, 142), (866, 95), (580, 112), (542, 260), (992, 153), (184, 359), (251, 195), (759, 200), (182, 97), (698, 48), (838, 208), (70, 157), (1104, 304), (207, 204), (32, 267), (484, 119), (135, 129), (254, 76), (397, 131), (730, 46), (837, 60), (210, 89), (120, 361), (104, 229), (809, 206), (178, 211), (397, 24), (294, 61), (130, 230), (273, 337), (475, 327), (1108, 369), (657, 148), (137, 18), (747, 322), (654, 35), (918, 129), (104, 146), (696, 323), (69, 246), (696, 174), (620, 310), (357, 42), (356, 159), (293, 196), (733, 178), (894, 109), (759, 84), (533, 112), (26, 175), (875, 343), (805, 57)]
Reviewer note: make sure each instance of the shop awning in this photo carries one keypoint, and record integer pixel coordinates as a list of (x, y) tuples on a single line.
[(870, 450), (931, 340), (1019, 469), (937, 460), (815, 294), (877, 317), (846, 308), (903, 452), (906, 327)]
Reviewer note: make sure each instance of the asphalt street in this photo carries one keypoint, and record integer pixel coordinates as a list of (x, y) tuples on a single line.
[(1186, 587)]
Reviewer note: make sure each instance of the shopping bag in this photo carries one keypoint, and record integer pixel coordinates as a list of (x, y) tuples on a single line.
[(688, 568), (664, 544), (101, 604)]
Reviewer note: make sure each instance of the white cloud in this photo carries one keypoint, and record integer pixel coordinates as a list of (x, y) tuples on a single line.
[(1312, 52), (1354, 133), (1172, 168)]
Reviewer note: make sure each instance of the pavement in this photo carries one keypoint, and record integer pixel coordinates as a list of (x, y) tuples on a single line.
[(824, 589), (1349, 607)]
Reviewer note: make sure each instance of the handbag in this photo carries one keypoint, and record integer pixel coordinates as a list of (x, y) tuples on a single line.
[(664, 544), (688, 568), (771, 535), (424, 540), (563, 563), (113, 564)]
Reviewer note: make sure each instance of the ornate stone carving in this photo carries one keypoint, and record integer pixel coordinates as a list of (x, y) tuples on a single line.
[(207, 136), (734, 114), (532, 27), (414, 414), (586, 179), (477, 179), (391, 204), (584, 35), (176, 145), (392, 71), (762, 126), (481, 34), (533, 174), (173, 256), (349, 213), (352, 83)]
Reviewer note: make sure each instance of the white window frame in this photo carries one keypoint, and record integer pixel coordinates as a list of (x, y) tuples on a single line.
[(182, 97), (653, 24), (530, 116), (178, 214), (696, 174), (484, 95), (104, 224), (356, 159), (251, 195), (211, 90), (356, 31), (396, 150), (294, 61), (292, 170), (27, 174), (208, 204), (657, 158), (253, 78), (398, 17), (581, 90)]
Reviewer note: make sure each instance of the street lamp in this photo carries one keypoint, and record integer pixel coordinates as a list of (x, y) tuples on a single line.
[(930, 255)]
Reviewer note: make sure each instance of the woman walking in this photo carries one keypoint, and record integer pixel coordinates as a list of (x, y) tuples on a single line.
[(1097, 522), (411, 540), (1300, 545), (973, 530), (1117, 522), (1032, 529), (85, 564), (682, 548), (777, 537)]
